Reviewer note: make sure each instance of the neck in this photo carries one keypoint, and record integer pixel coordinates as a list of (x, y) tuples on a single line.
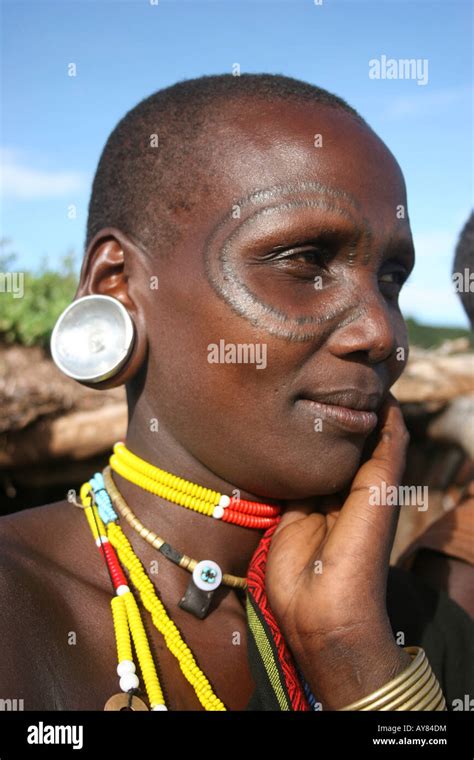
[(196, 535)]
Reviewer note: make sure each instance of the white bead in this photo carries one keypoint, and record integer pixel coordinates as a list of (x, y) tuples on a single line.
[(101, 540), (207, 575), (129, 681), (159, 707), (224, 501), (124, 667), (218, 512), (122, 590)]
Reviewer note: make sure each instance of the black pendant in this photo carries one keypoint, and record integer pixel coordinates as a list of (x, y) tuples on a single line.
[(196, 601), (206, 577)]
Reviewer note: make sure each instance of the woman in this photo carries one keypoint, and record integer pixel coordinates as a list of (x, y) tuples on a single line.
[(255, 230)]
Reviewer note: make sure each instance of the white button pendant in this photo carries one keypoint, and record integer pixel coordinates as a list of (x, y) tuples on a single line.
[(207, 575)]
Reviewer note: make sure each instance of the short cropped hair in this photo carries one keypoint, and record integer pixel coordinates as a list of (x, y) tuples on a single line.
[(152, 171)]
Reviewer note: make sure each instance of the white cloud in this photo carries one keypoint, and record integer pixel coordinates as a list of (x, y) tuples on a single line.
[(20, 181)]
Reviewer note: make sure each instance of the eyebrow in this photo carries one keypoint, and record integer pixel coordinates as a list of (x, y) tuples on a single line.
[(358, 224), (258, 197), (273, 192), (401, 246)]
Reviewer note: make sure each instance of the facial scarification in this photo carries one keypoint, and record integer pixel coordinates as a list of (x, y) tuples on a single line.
[(327, 207)]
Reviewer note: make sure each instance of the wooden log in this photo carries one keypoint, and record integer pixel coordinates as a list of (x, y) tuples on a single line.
[(432, 378), (456, 424), (78, 435)]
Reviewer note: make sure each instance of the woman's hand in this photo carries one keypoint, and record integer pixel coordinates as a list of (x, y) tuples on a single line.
[(326, 579)]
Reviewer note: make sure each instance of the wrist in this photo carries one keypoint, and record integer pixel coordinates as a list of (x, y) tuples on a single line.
[(348, 664)]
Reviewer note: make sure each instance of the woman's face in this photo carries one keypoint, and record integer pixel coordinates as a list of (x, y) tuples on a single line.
[(280, 301)]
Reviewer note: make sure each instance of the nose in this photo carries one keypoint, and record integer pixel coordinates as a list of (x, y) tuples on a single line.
[(369, 329)]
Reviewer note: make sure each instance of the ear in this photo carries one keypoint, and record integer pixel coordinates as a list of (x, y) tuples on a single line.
[(111, 264)]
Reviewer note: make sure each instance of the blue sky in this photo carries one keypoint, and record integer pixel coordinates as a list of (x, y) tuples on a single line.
[(54, 126)]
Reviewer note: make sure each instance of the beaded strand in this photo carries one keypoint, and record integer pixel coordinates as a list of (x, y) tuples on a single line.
[(126, 615), (241, 512), (118, 552), (182, 560), (162, 621)]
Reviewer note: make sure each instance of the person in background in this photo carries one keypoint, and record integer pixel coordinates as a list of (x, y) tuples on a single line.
[(443, 555)]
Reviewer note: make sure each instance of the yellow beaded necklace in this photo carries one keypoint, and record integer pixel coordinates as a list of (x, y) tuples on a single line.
[(247, 514), (187, 563), (128, 625)]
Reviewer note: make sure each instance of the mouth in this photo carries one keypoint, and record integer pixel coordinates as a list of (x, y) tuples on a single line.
[(349, 410)]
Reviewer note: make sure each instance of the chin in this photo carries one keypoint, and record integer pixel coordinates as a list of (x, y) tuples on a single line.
[(322, 474)]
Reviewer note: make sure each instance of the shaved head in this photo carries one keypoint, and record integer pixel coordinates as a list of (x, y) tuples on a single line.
[(154, 169)]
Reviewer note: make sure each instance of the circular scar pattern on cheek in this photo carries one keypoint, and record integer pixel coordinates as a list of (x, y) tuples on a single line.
[(231, 279)]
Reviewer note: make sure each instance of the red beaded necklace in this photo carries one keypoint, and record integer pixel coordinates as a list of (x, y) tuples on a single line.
[(247, 514)]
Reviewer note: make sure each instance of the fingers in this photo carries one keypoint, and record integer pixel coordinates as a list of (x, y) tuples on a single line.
[(388, 458), (367, 521), (294, 511), (299, 509), (366, 524)]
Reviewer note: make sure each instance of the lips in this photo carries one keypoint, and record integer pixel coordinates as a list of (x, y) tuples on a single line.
[(350, 399), (349, 409)]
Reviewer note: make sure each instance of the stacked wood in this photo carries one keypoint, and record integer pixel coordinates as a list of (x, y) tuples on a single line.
[(434, 378), (47, 416), (54, 432)]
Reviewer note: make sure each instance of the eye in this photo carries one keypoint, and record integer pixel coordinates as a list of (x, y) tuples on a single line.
[(394, 278), (300, 259), (392, 282), (308, 255)]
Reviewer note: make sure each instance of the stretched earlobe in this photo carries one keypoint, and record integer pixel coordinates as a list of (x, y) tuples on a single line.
[(93, 339)]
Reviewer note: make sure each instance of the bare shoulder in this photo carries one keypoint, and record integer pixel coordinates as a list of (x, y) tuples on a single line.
[(43, 540), (45, 565)]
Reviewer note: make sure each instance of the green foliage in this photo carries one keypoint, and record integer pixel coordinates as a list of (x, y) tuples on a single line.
[(428, 336), (29, 319)]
